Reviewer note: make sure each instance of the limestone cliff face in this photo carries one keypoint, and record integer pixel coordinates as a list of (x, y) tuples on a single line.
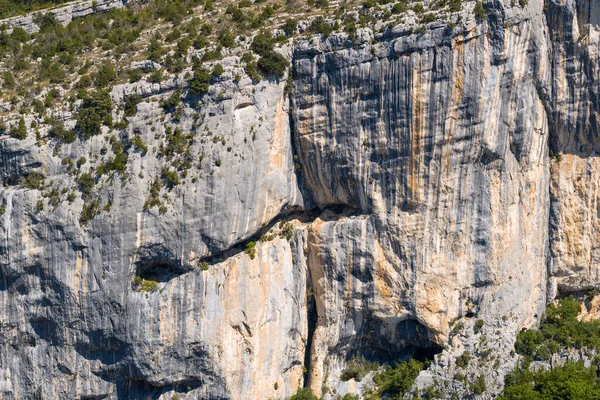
[(442, 143), (574, 32), (64, 14), (403, 187)]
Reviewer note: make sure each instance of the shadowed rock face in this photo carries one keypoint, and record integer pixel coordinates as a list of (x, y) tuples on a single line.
[(423, 195)]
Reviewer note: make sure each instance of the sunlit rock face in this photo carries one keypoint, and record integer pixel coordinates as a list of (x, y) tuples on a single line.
[(440, 147), (574, 32), (401, 186)]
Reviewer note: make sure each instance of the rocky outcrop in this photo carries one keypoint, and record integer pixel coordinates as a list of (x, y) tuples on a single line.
[(63, 14)]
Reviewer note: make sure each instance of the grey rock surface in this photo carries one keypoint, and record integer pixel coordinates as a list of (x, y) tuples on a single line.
[(402, 190)]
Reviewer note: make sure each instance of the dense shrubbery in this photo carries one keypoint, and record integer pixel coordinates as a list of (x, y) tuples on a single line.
[(559, 330), (270, 63), (13, 7), (395, 381), (304, 394), (571, 381), (95, 111), (357, 368)]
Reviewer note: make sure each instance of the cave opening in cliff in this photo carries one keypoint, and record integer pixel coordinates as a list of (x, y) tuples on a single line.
[(409, 340), (159, 270)]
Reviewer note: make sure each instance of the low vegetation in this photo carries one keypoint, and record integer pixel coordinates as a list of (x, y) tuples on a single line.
[(560, 331)]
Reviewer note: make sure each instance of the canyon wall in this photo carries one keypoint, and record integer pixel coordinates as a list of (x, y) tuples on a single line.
[(405, 185)]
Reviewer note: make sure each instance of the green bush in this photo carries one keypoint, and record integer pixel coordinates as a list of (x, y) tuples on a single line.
[(33, 180), (200, 81), (559, 328), (250, 249), (170, 177), (19, 130), (357, 368), (272, 64), (455, 5), (478, 326), (290, 26), (139, 144), (9, 80), (399, 8), (318, 25), (170, 104), (571, 381), (86, 183), (463, 360), (217, 70), (479, 10), (131, 103), (57, 130), (396, 380), (95, 110), (479, 386), (105, 75), (304, 394), (135, 75), (89, 211)]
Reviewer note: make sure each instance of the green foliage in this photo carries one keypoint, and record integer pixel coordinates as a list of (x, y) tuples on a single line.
[(95, 110), (559, 328), (105, 75), (290, 26), (203, 265), (156, 76), (89, 211), (479, 10), (478, 326), (170, 177), (270, 62), (463, 360), (357, 368), (19, 131), (58, 131), (200, 81), (139, 144), (217, 70), (170, 104), (33, 180), (287, 230), (479, 386), (135, 75), (86, 183), (15, 7), (399, 8), (250, 249), (318, 25), (144, 285), (396, 380), (455, 5), (226, 39), (304, 394), (571, 381), (131, 103), (9, 80)]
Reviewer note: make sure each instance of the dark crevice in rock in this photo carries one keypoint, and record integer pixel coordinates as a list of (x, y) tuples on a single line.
[(156, 263), (139, 388), (312, 319), (412, 341), (326, 213)]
